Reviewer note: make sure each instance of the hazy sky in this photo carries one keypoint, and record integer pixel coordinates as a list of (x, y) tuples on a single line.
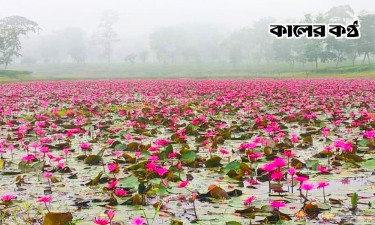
[(142, 16)]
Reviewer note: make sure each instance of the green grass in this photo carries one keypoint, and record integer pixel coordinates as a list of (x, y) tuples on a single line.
[(196, 70), (348, 69), (14, 75), (365, 74), (11, 73)]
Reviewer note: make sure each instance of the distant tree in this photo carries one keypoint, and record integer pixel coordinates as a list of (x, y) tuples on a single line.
[(11, 30), (262, 41), (298, 46), (187, 43), (252, 44), (130, 58), (335, 50), (235, 45), (74, 43), (235, 54), (168, 43), (340, 14), (143, 56), (240, 45), (339, 49), (351, 49), (366, 44), (106, 35), (314, 50), (284, 50), (50, 48), (28, 60)]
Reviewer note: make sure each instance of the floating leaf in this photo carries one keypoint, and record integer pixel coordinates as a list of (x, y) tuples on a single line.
[(128, 158), (335, 201), (369, 164), (248, 212), (296, 163), (354, 200), (134, 200), (218, 193), (93, 160), (134, 146), (354, 157), (131, 182), (191, 129), (233, 223), (308, 140), (312, 163), (176, 222), (325, 153), (310, 208), (53, 218), (120, 147), (27, 167), (267, 151), (100, 153), (234, 165), (363, 143), (188, 157), (54, 179), (324, 206), (96, 179), (10, 172), (235, 193), (214, 161)]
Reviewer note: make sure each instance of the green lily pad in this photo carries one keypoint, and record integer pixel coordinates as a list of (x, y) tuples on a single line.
[(53, 218), (188, 157)]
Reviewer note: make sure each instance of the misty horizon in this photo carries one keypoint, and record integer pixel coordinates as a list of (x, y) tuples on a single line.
[(137, 18), (207, 37)]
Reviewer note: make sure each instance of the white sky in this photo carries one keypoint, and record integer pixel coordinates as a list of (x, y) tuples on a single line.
[(142, 16)]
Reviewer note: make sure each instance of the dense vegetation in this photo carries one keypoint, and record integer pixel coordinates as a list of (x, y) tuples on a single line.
[(187, 151), (192, 44)]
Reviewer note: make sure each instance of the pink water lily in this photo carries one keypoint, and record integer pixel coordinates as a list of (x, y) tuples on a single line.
[(120, 192), (28, 158), (85, 145), (138, 221), (101, 221), (279, 162), (277, 204), (7, 198), (111, 214), (113, 167), (183, 184), (112, 184), (307, 187), (149, 136), (277, 175), (45, 200), (249, 200), (161, 171), (323, 185), (47, 175)]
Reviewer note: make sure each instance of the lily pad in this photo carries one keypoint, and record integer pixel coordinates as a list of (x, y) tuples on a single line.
[(54, 218)]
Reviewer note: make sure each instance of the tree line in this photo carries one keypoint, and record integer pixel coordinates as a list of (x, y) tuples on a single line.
[(192, 43)]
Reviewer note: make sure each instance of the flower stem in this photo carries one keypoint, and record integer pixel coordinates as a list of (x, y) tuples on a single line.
[(292, 184), (45, 203), (269, 182), (195, 211)]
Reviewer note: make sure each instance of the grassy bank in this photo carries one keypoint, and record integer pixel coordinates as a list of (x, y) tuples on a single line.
[(197, 70)]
